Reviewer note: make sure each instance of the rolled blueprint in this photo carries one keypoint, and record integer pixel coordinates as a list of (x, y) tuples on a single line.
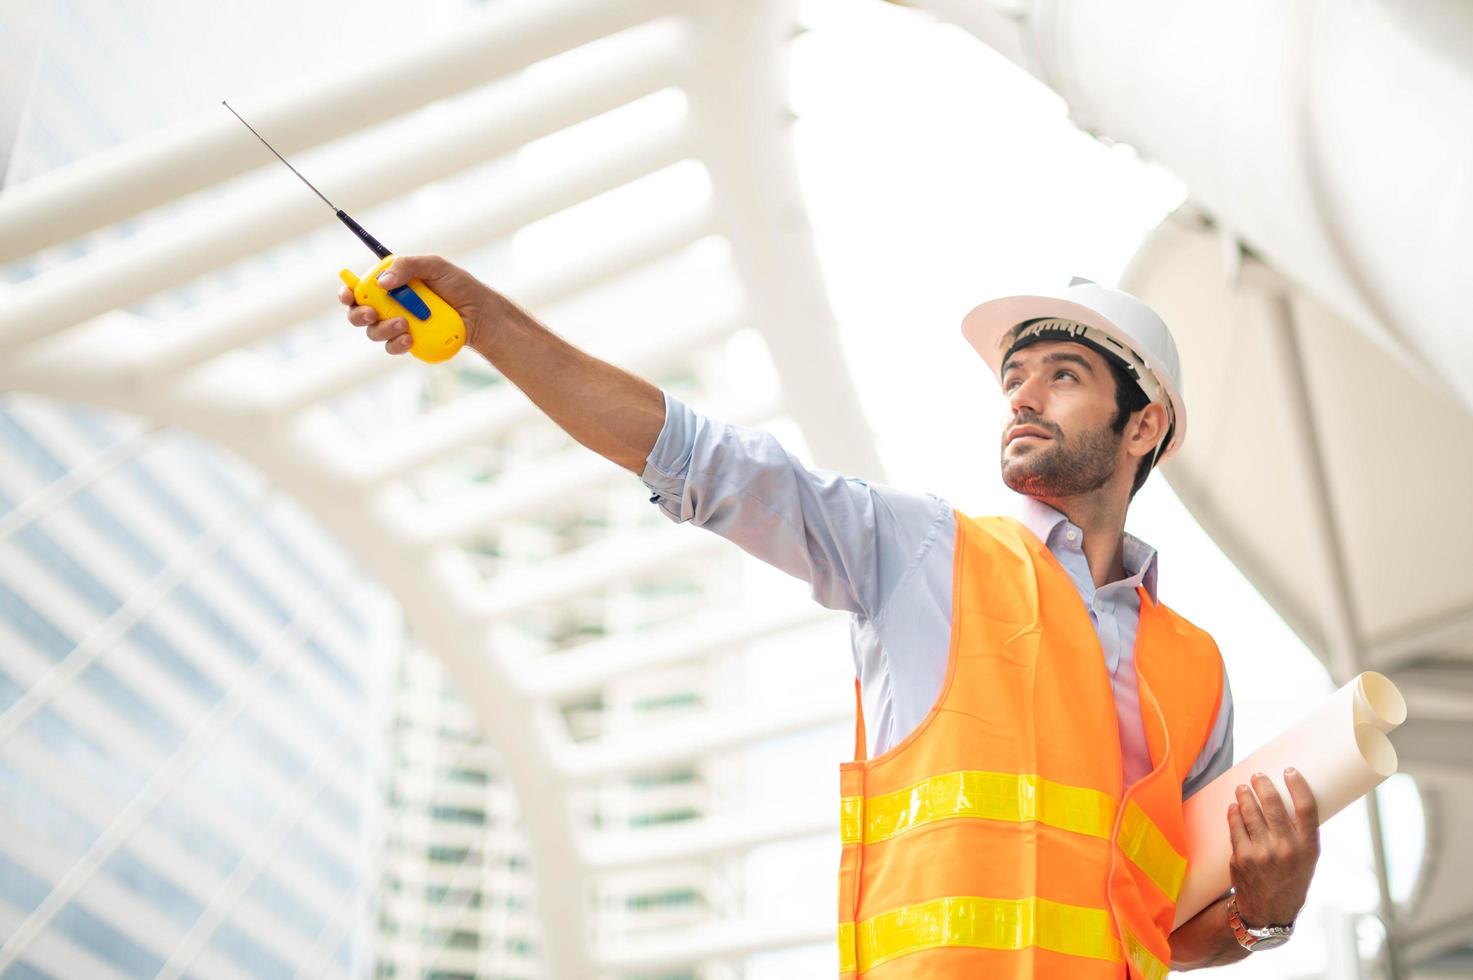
[(1340, 747)]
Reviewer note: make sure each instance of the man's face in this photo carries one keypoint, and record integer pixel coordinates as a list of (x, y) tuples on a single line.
[(1056, 437)]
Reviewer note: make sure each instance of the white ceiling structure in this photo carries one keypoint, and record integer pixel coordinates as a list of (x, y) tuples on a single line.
[(1317, 288), (248, 367)]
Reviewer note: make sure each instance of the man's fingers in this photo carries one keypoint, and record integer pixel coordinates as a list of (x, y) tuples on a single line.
[(1275, 814), (400, 344), (1237, 833), (386, 330), (362, 316), (1306, 810), (346, 297), (1252, 816)]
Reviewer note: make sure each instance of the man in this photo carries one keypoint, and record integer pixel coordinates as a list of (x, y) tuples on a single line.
[(1031, 716)]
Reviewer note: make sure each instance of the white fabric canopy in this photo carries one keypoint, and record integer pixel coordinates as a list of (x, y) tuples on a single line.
[(1375, 456)]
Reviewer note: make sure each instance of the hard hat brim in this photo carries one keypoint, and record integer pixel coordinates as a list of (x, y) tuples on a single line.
[(987, 325)]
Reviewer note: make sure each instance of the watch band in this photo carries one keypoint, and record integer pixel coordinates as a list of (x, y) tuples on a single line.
[(1256, 939)]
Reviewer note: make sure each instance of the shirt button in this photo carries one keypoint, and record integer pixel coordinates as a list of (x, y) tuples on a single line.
[(1071, 536)]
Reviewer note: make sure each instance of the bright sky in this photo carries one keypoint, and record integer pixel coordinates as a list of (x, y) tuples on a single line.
[(938, 175)]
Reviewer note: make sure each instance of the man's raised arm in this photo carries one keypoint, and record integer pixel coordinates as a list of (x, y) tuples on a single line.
[(851, 541), (607, 409)]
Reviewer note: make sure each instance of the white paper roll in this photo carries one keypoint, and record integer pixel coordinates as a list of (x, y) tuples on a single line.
[(1342, 750)]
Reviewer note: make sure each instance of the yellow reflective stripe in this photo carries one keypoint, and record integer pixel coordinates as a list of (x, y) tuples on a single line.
[(847, 963), (1148, 849), (981, 923), (985, 795), (851, 818), (1144, 960), (1136, 952)]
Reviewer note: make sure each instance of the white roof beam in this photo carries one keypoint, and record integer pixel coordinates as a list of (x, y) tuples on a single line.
[(310, 380), (584, 669), (520, 491), (1437, 938), (1436, 742), (1449, 631), (587, 568), (443, 431), (248, 315), (145, 173), (731, 833), (1341, 625), (738, 99), (206, 238), (1452, 676), (692, 739), (684, 948)]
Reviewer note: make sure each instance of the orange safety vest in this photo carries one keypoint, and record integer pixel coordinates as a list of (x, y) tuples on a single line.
[(995, 841)]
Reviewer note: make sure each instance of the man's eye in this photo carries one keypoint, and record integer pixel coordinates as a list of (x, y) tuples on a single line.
[(1071, 374)]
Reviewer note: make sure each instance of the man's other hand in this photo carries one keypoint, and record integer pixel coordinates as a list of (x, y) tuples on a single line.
[(1274, 851)]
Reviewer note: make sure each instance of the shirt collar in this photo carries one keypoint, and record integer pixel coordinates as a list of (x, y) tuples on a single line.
[(1047, 523)]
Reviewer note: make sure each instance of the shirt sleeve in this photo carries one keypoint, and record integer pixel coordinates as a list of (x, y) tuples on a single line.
[(850, 540), (1216, 757)]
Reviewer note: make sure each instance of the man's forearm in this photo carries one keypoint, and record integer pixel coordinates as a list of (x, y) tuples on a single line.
[(616, 414), (1205, 940)]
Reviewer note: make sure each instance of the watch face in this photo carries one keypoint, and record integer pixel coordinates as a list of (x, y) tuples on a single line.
[(1272, 942)]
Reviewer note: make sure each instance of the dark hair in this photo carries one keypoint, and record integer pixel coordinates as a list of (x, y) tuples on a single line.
[(1129, 397)]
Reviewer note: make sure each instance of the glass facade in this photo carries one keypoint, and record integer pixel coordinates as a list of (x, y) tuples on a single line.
[(173, 692)]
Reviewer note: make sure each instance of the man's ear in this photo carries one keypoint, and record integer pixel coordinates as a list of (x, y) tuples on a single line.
[(1149, 429)]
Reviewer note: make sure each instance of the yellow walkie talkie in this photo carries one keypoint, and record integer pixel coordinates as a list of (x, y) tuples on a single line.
[(435, 328)]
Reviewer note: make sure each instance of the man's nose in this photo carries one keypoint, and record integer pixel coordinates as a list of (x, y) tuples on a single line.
[(1027, 396)]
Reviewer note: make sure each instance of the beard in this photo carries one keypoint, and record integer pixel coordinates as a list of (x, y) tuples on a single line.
[(1063, 466)]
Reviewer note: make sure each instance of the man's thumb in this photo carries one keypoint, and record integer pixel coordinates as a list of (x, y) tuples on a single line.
[(427, 268)]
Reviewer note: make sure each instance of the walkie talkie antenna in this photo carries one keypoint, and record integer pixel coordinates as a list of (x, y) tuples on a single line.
[(373, 243)]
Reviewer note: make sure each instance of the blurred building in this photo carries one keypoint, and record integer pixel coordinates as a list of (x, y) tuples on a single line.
[(455, 897), (187, 667)]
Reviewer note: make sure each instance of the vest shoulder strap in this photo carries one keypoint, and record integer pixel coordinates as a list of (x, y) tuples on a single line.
[(1191, 674)]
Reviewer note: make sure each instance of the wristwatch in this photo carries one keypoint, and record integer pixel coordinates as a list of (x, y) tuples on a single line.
[(1255, 940)]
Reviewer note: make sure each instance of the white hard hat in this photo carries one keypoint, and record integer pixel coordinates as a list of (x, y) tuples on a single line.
[(1117, 324)]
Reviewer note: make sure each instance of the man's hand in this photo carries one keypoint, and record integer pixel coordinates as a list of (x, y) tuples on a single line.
[(1274, 853), (477, 303)]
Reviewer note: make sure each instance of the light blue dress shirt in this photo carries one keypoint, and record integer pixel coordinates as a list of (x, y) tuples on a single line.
[(885, 556)]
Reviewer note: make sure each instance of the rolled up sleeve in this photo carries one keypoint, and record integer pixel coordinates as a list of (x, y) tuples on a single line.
[(668, 463)]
